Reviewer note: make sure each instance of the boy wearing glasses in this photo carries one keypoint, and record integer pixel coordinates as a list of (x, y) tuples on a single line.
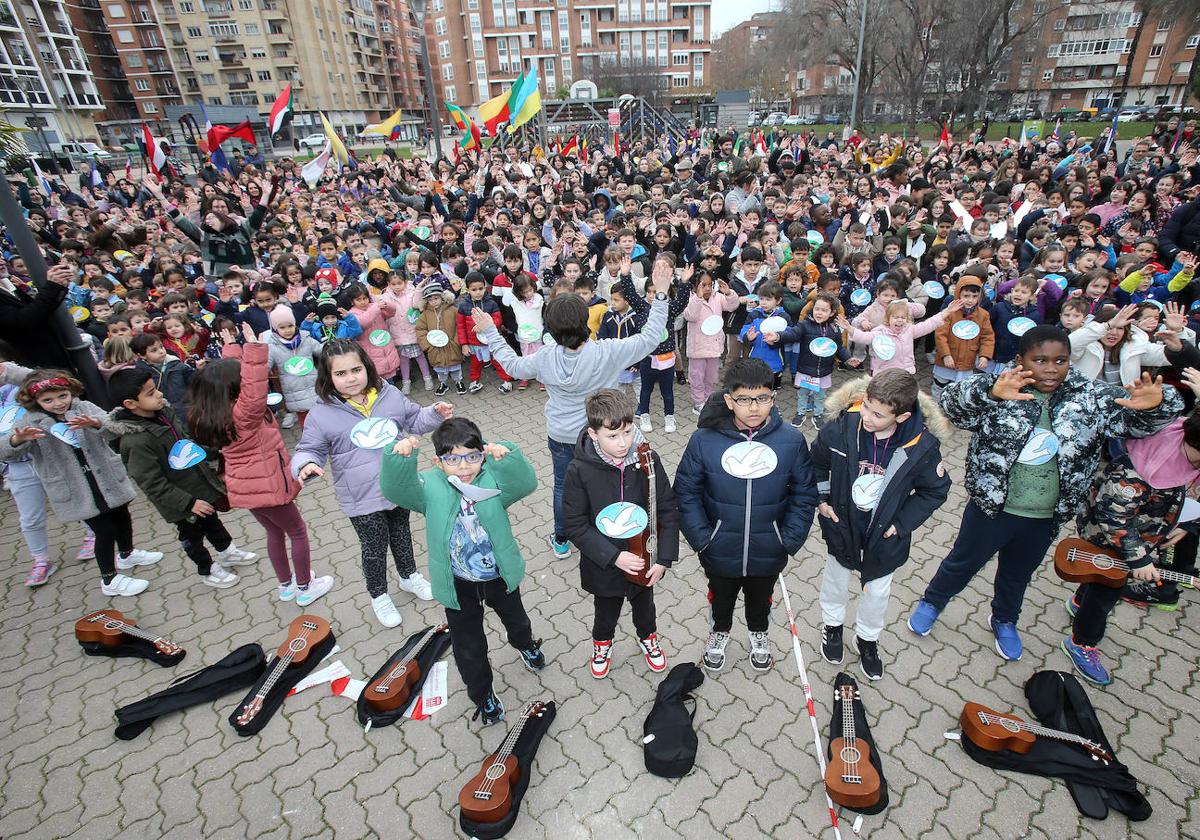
[(473, 557), (746, 496)]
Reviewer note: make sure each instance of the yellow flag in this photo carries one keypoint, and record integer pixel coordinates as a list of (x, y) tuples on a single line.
[(385, 128), (338, 147)]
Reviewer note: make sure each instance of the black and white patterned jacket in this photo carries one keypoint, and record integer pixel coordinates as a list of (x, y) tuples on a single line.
[(1083, 413)]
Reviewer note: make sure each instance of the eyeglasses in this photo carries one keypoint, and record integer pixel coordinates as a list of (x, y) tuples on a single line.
[(471, 458), (761, 399)]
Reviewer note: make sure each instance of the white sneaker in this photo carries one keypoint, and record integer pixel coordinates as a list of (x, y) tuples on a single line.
[(288, 591), (417, 585), (669, 423), (288, 421), (137, 557), (234, 556), (385, 610), (317, 587), (406, 388), (428, 383), (124, 585), (644, 422), (219, 578)]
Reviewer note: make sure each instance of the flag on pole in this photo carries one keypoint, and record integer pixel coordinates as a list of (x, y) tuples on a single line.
[(315, 168), (1057, 126), (335, 142), (214, 149), (281, 111), (128, 167), (583, 150), (526, 101), (218, 134), (571, 146), (470, 131), (944, 139), (42, 180), (97, 178), (1112, 134), (1175, 141), (154, 154), (495, 111), (1024, 141), (389, 128)]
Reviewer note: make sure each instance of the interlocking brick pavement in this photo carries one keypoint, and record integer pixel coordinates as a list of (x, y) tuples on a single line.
[(313, 773)]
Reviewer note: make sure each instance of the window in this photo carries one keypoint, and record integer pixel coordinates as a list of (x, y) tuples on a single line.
[(510, 11), (443, 49), (439, 26), (151, 107), (1164, 24), (208, 78), (585, 29), (194, 32), (133, 59), (1047, 75), (662, 49), (125, 36), (116, 11), (635, 11), (679, 81), (1156, 51), (623, 11), (263, 75), (245, 5), (472, 4), (202, 56), (551, 78), (141, 84), (679, 59), (477, 45), (450, 93), (260, 53), (1002, 77), (251, 28), (448, 72), (698, 24), (1060, 24), (566, 68), (224, 29), (476, 26), (497, 13), (187, 7)]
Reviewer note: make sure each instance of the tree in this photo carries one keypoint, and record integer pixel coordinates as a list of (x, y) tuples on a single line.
[(637, 78), (914, 25), (1174, 10)]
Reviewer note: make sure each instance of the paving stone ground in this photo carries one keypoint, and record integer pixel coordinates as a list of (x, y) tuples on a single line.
[(313, 773)]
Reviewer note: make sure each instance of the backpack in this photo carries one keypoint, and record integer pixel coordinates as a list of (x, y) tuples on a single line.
[(669, 743)]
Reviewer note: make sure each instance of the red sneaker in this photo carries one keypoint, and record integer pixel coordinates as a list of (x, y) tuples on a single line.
[(601, 653), (655, 658), (523, 384)]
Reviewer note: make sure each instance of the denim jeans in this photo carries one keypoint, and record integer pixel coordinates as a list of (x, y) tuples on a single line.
[(561, 455)]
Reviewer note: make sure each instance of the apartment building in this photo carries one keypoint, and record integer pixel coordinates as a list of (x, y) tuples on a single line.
[(118, 121), (478, 47), (45, 82)]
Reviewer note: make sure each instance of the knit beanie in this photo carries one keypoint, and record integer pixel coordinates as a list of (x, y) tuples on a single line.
[(281, 315)]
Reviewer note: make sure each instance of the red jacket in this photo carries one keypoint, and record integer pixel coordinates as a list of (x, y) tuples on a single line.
[(256, 463)]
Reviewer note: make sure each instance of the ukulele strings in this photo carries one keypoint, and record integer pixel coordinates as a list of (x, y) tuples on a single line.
[(387, 681), (128, 629), (1035, 729), (850, 739), (283, 663), (505, 749), (1090, 557)]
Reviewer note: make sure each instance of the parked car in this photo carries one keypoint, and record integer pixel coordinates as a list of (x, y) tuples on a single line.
[(775, 118), (753, 119), (1131, 114), (811, 119), (794, 119), (82, 150), (833, 119), (313, 141)]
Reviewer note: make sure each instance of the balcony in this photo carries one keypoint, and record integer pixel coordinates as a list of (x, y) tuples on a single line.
[(232, 60), (238, 85)]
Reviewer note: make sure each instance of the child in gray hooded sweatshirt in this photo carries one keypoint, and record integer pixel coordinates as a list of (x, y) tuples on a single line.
[(571, 368)]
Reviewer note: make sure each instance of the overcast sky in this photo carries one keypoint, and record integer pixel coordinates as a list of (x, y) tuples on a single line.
[(728, 13)]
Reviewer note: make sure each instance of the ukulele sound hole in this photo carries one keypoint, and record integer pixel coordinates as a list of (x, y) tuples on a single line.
[(1103, 563), (495, 772), (1010, 725), (297, 645), (850, 755)]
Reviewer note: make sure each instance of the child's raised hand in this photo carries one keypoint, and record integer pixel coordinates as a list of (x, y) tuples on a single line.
[(84, 421), (405, 446), (1174, 318), (955, 305), (752, 334), (1144, 394), (26, 434), (495, 450), (1008, 385), (228, 336), (248, 334), (445, 409), (1123, 317), (841, 321)]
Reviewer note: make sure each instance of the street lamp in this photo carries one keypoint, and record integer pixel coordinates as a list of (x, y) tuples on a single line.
[(418, 8)]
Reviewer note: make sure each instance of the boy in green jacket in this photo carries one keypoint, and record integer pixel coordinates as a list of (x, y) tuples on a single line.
[(173, 473), (473, 557)]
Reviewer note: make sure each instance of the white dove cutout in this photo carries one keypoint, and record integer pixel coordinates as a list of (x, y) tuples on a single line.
[(860, 297), (966, 330), (823, 347), (1041, 446), (65, 433), (529, 333), (749, 460), (437, 338), (298, 366), (380, 338), (774, 324), (622, 520), (413, 315), (274, 399), (935, 289), (9, 417), (884, 347), (185, 454), (711, 325), (865, 491), (1020, 326), (374, 432)]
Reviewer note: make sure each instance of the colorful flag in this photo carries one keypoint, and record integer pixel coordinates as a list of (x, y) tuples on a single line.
[(526, 101), (339, 148), (315, 168), (470, 131), (389, 128), (214, 151), (154, 153), (571, 146), (1112, 133), (1175, 140), (281, 111), (1057, 126), (583, 150), (495, 111), (128, 167), (42, 180), (944, 139), (218, 134)]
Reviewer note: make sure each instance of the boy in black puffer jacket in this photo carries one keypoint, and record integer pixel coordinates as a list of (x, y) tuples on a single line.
[(605, 473), (746, 497), (879, 475)]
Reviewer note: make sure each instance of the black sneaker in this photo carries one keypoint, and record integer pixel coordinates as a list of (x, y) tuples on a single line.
[(460, 387), (681, 376), (442, 388), (798, 420), (868, 658), (491, 710), (533, 657), (831, 644), (1148, 594), (818, 422)]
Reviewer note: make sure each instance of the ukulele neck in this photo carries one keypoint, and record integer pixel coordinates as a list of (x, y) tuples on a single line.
[(1179, 577), (285, 661), (130, 630), (1044, 732), (387, 681)]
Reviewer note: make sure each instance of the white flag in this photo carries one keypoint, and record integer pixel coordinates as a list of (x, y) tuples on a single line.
[(315, 168)]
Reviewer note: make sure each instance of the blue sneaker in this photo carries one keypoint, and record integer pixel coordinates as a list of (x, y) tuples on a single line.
[(1086, 661), (491, 710), (923, 618), (1072, 604), (533, 657), (562, 550), (1008, 640)]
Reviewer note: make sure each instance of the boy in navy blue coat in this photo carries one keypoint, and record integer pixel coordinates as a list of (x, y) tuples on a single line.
[(746, 496)]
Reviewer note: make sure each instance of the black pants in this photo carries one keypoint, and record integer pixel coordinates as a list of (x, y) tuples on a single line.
[(1095, 603), (113, 530), (193, 534), (467, 633), (1021, 543), (376, 531), (608, 610), (724, 592), (664, 379)]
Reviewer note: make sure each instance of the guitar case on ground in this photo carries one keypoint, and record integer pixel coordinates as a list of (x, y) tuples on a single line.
[(237, 670), (863, 732), (278, 692), (669, 740), (135, 648), (1058, 701), (435, 650), (525, 750)]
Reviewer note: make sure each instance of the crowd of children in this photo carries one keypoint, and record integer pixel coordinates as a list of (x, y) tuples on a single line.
[(1042, 295)]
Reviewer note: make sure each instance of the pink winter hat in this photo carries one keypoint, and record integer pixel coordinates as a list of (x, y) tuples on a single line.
[(281, 315)]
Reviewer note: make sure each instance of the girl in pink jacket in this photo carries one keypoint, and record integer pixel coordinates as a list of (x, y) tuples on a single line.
[(891, 343), (705, 316), (374, 316), (405, 296)]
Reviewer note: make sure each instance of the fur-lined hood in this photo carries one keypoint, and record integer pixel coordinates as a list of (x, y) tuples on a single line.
[(852, 392)]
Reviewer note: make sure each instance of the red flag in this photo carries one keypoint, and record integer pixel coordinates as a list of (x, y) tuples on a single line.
[(569, 147), (218, 134), (583, 150), (944, 140), (280, 111), (154, 153)]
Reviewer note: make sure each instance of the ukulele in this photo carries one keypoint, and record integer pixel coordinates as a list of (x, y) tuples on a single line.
[(993, 731), (487, 798), (850, 778), (304, 633), (645, 544), (1079, 561), (392, 690), (110, 628)]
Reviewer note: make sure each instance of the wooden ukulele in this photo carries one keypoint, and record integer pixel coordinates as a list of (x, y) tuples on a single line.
[(487, 798), (1079, 561), (304, 633), (993, 731), (393, 689), (850, 778), (645, 544), (111, 628)]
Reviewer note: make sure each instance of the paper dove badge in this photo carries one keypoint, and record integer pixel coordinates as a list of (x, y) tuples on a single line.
[(380, 338), (966, 330), (823, 347), (711, 325), (184, 455), (860, 297), (1041, 446), (298, 366), (865, 491), (749, 460), (65, 433), (622, 520), (1020, 326), (9, 417), (935, 289), (79, 314), (437, 338), (884, 347), (374, 432), (274, 399), (413, 315), (774, 324)]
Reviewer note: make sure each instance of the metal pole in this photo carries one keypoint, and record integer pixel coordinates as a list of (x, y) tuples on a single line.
[(62, 325), (862, 31), (418, 11)]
